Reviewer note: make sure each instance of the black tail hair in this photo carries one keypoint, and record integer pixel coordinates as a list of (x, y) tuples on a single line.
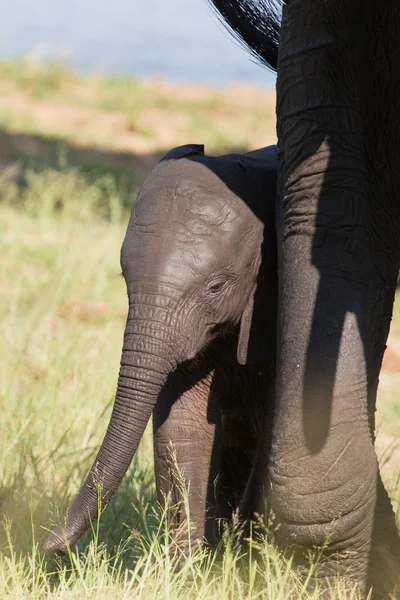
[(255, 24)]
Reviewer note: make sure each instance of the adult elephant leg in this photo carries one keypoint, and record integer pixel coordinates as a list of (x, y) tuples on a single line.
[(323, 470), (383, 565), (187, 441)]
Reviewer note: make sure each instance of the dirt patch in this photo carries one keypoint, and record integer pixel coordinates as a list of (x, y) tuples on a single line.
[(144, 119), (150, 130)]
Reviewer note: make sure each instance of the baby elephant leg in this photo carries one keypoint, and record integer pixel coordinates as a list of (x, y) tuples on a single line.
[(248, 413), (187, 438)]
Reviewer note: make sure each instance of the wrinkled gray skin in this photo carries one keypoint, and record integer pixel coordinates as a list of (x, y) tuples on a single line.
[(199, 261), (338, 106), (339, 131)]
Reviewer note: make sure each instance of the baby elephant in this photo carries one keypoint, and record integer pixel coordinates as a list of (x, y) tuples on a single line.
[(199, 261)]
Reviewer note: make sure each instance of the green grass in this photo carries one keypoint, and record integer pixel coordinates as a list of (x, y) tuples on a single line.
[(63, 306), (63, 213), (119, 112), (62, 311), (39, 79)]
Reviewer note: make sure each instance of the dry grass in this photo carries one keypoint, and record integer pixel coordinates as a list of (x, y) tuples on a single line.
[(62, 310), (123, 114), (63, 210)]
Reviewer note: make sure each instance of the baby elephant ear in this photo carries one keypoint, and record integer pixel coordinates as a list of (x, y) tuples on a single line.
[(257, 337), (184, 151)]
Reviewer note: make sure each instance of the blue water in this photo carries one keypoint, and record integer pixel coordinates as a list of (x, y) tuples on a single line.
[(176, 39)]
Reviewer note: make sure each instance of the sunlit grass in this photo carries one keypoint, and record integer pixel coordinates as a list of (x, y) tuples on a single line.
[(128, 114), (62, 312), (63, 212)]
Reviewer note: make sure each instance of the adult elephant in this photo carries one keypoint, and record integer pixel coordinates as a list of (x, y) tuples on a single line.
[(199, 261), (338, 106)]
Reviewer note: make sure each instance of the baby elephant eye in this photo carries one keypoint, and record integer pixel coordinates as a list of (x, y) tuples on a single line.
[(216, 286)]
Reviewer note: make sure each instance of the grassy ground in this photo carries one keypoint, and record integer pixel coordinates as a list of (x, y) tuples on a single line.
[(67, 186)]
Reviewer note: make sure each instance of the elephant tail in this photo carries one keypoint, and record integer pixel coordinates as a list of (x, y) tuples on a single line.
[(255, 24)]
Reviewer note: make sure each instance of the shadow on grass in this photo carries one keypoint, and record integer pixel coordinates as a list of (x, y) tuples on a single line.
[(26, 157)]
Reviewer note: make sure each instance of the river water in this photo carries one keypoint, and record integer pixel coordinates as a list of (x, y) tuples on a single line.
[(176, 39)]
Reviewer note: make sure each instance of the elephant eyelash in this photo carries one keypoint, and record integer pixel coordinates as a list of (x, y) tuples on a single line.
[(216, 286)]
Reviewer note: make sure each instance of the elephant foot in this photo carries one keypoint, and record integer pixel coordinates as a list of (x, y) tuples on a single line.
[(372, 576), (384, 572)]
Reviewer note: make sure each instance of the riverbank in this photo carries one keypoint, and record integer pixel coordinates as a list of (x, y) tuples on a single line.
[(115, 115)]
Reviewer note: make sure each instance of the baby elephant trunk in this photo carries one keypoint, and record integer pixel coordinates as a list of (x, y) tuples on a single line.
[(145, 365)]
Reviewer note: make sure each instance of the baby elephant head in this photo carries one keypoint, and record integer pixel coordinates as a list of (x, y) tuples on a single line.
[(199, 256)]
